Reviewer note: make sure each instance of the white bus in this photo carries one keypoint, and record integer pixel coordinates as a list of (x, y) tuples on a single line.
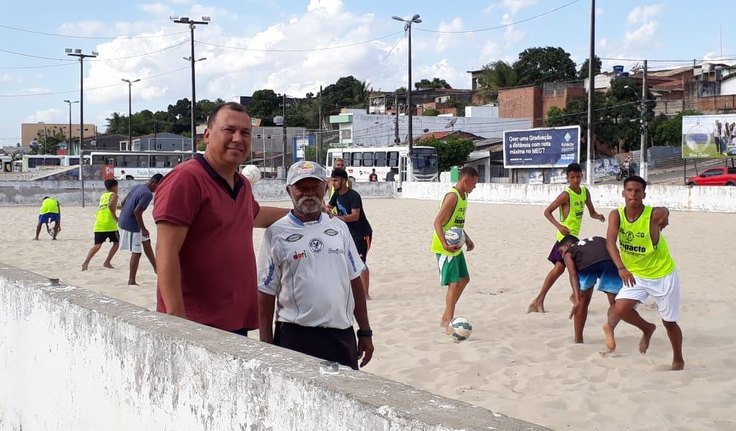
[(139, 165), (33, 162), (390, 163)]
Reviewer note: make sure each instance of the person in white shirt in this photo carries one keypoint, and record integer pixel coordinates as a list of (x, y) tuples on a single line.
[(309, 274)]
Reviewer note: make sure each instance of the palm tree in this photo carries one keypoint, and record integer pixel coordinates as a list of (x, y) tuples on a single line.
[(495, 76), (117, 124)]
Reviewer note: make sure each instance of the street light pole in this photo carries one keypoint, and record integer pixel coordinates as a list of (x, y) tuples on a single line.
[(643, 171), (69, 139), (407, 27), (130, 111), (192, 25), (78, 53), (589, 173)]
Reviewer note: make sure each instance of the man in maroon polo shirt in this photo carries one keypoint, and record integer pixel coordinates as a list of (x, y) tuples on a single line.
[(205, 213)]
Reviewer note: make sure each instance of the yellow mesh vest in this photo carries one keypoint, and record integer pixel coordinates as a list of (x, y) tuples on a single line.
[(640, 256), (575, 216), (457, 219)]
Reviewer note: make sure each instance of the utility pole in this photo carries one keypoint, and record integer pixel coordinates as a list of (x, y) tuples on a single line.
[(319, 132), (78, 53), (130, 112), (407, 28), (192, 25), (69, 139), (283, 113), (397, 140), (643, 168), (589, 174)]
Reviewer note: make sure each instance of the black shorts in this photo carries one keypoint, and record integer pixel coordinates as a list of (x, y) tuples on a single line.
[(363, 244), (113, 236), (336, 345)]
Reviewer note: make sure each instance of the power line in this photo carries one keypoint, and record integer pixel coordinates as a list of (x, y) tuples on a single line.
[(50, 93), (36, 67), (143, 54), (43, 33), (326, 48), (503, 25), (380, 63)]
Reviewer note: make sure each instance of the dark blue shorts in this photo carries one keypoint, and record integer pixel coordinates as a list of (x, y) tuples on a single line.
[(605, 273), (49, 217)]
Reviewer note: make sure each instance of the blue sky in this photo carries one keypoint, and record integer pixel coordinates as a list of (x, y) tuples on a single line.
[(253, 44)]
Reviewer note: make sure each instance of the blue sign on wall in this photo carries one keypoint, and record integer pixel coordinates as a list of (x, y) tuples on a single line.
[(541, 148)]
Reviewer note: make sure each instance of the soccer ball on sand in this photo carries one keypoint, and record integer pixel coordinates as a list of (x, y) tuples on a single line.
[(460, 329), (252, 173), (455, 236)]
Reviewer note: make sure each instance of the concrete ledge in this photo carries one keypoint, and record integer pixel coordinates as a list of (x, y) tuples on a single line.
[(70, 192), (681, 198), (73, 359)]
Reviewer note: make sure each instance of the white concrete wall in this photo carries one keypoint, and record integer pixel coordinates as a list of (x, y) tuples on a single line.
[(71, 359), (681, 198), (70, 193)]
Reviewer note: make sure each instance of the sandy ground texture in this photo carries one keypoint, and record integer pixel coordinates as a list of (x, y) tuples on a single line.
[(522, 365)]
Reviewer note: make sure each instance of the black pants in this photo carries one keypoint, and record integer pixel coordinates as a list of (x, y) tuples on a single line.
[(337, 345)]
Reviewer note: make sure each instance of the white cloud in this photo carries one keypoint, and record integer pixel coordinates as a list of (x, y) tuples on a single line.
[(642, 36), (52, 115), (489, 52), (603, 43), (157, 9), (641, 14), (446, 40), (517, 5), (83, 28), (443, 69), (599, 12), (490, 8), (511, 35)]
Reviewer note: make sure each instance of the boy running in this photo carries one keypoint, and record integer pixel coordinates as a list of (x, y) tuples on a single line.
[(571, 203), (450, 259), (644, 264), (587, 261), (106, 224)]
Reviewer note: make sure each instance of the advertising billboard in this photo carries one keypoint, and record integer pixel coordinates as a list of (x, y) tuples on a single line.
[(708, 136), (554, 147)]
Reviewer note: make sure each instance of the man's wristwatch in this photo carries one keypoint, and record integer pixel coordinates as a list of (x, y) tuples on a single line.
[(364, 333)]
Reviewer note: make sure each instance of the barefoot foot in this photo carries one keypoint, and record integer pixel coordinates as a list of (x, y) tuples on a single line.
[(535, 307), (646, 337), (678, 365), (610, 340), (108, 265), (85, 266)]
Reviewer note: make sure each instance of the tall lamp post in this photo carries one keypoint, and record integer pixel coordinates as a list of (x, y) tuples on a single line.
[(589, 172), (130, 111), (192, 25), (78, 53), (407, 28), (69, 139), (644, 126)]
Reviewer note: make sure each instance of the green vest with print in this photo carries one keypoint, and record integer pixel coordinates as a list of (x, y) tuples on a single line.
[(104, 221), (575, 214), (457, 219), (639, 255)]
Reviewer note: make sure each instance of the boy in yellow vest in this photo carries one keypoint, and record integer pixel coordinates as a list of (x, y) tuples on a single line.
[(571, 203), (50, 212), (450, 259), (639, 250), (106, 224)]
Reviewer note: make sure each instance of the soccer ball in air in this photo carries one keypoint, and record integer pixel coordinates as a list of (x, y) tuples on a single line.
[(252, 173), (460, 329), (455, 236)]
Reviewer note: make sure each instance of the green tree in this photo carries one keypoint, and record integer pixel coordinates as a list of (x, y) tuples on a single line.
[(347, 92), (47, 141), (452, 151), (583, 73), (430, 112), (264, 104), (538, 65), (426, 84), (668, 130), (310, 153), (495, 76)]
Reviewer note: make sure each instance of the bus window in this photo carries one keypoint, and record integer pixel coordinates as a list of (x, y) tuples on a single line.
[(355, 159), (329, 160), (380, 159), (119, 160), (130, 161), (98, 160), (143, 161), (393, 159), (368, 159)]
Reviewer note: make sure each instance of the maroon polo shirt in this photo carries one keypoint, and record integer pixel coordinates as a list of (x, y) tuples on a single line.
[(218, 264)]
